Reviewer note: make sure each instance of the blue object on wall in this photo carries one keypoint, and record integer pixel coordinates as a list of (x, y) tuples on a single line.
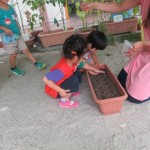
[(126, 14)]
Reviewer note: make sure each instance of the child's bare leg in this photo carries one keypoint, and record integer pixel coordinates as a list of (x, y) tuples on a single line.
[(29, 55), (12, 60), (71, 83), (15, 70), (38, 65)]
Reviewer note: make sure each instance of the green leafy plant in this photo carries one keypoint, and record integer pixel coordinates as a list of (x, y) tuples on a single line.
[(36, 4), (102, 24), (82, 15), (100, 20)]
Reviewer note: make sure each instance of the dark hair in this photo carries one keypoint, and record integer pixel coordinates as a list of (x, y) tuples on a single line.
[(97, 39), (146, 22), (74, 45)]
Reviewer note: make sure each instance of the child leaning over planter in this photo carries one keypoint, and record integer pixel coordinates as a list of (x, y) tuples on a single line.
[(96, 41), (11, 38), (63, 79)]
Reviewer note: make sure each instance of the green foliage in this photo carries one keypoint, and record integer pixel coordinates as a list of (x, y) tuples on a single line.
[(132, 37), (82, 15), (117, 1), (102, 26), (136, 10), (33, 20), (111, 38), (35, 4), (140, 20)]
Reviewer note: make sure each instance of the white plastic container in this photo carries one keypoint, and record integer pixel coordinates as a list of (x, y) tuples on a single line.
[(127, 45), (118, 18)]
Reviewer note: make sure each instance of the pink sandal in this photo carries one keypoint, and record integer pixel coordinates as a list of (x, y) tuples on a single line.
[(68, 104), (75, 94)]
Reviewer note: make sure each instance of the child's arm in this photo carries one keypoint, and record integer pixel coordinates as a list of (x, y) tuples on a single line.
[(146, 45), (51, 84), (90, 68), (95, 59), (6, 30), (110, 7), (51, 78)]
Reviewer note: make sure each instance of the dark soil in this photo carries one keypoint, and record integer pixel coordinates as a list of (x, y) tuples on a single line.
[(103, 86)]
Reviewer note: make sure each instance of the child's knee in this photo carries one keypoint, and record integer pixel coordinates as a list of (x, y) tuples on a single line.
[(75, 80), (26, 51)]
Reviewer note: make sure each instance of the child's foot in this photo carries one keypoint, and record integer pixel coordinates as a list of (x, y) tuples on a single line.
[(75, 94), (17, 71), (68, 104), (40, 65), (81, 70)]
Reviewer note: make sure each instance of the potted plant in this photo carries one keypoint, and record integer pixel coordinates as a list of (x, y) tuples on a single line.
[(117, 22), (85, 29), (29, 40), (107, 92), (122, 22), (31, 19), (50, 37)]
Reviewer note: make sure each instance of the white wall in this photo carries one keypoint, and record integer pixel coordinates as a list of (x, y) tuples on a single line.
[(54, 12)]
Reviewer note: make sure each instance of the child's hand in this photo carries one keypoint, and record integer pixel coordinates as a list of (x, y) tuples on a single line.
[(8, 31), (137, 47), (86, 6), (63, 93), (98, 65), (96, 71)]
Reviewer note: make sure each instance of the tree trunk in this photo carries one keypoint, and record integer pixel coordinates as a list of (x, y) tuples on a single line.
[(45, 21)]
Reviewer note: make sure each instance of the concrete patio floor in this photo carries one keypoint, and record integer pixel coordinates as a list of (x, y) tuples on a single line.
[(31, 120)]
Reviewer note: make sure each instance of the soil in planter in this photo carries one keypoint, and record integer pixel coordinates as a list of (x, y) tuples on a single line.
[(103, 86), (86, 30)]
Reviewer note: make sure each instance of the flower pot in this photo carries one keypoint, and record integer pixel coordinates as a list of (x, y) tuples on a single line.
[(85, 33), (30, 42), (129, 25), (55, 37), (35, 34), (111, 93)]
